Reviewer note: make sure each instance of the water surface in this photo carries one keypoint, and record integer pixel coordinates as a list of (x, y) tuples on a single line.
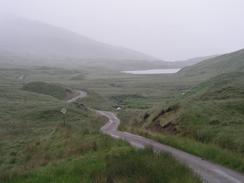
[(153, 71)]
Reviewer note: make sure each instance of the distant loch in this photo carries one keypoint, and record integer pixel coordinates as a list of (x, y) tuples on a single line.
[(153, 71)]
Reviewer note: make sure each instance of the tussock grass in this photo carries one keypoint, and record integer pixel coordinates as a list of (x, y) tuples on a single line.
[(207, 151), (116, 163), (144, 166)]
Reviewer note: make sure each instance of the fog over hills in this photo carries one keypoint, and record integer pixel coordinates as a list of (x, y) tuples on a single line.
[(28, 38), (193, 61), (24, 41)]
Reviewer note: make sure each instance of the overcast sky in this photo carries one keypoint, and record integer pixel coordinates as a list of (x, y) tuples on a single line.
[(167, 29)]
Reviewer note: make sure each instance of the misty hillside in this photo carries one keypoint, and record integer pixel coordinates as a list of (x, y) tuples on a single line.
[(195, 60), (27, 38), (224, 86), (232, 62), (24, 41)]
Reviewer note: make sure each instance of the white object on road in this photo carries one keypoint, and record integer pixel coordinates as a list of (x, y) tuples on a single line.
[(63, 110)]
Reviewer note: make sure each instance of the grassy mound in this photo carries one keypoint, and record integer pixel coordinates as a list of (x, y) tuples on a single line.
[(54, 90)]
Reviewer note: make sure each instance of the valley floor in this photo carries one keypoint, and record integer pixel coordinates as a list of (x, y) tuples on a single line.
[(37, 146)]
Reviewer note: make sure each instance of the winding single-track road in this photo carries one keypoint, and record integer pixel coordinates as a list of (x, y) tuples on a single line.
[(80, 94), (208, 171)]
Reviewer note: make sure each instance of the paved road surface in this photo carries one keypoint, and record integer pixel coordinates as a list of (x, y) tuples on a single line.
[(209, 172), (80, 94)]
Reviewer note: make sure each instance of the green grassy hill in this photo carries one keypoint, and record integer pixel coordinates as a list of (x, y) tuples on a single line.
[(208, 119), (210, 112), (232, 62), (223, 86)]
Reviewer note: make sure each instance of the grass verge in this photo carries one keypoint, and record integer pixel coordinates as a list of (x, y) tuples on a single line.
[(210, 152)]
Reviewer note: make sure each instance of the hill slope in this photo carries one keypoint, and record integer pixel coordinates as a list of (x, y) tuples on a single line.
[(206, 121), (193, 61), (35, 39), (232, 62), (224, 86)]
